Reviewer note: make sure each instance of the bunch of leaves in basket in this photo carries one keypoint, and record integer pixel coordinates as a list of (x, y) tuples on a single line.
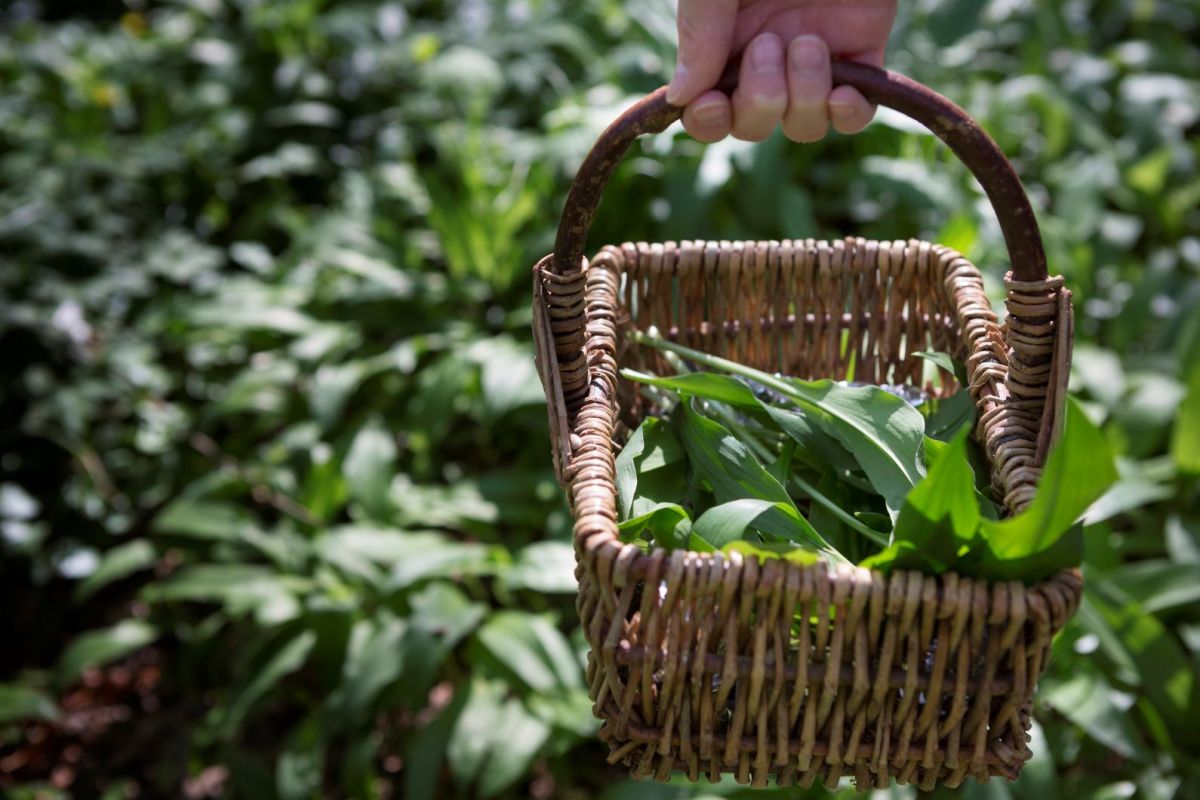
[(883, 477)]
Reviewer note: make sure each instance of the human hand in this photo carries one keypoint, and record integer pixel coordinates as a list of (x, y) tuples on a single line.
[(785, 70)]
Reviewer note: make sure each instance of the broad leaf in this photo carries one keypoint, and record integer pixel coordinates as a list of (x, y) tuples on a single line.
[(441, 617), (883, 433), (950, 415), (99, 647), (1087, 700), (543, 567), (734, 473), (494, 740), (1079, 470), (531, 648), (375, 656), (1164, 671), (939, 518), (728, 522), (369, 468), (1185, 437), (668, 523), (286, 659), (1158, 584), (19, 703), (650, 447), (119, 562)]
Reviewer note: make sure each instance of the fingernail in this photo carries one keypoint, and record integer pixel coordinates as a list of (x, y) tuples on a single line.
[(766, 55), (806, 55), (710, 113), (675, 87)]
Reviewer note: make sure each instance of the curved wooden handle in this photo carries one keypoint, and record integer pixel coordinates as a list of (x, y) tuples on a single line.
[(652, 114)]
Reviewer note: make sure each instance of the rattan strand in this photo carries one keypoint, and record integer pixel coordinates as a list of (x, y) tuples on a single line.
[(721, 664)]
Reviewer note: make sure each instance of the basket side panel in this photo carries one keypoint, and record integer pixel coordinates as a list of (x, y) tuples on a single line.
[(809, 675), (849, 309)]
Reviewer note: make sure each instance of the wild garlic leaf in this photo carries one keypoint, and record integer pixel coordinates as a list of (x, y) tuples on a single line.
[(705, 385), (939, 518), (728, 522), (884, 434), (950, 415), (651, 447), (937, 358), (1080, 469), (733, 472), (815, 446), (768, 550), (668, 523)]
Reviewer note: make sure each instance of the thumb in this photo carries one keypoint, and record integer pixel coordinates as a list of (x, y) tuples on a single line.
[(705, 38)]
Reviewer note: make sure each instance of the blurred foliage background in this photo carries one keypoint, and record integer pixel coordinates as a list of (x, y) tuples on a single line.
[(276, 504)]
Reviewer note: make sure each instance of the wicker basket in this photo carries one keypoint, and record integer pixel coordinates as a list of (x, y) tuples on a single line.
[(714, 664)]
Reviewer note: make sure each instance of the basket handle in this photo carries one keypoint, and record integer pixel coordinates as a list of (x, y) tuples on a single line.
[(981, 155)]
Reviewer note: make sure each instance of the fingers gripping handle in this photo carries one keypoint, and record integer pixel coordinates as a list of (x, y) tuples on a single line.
[(652, 114)]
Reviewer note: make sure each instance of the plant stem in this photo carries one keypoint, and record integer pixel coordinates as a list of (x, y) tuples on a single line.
[(875, 536), (719, 364)]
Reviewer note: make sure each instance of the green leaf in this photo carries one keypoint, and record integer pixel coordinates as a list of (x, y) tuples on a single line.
[(1183, 539), (1086, 699), (494, 740), (375, 656), (284, 660), (99, 647), (651, 447), (728, 522), (19, 703), (950, 415), (1164, 672), (768, 550), (518, 737), (938, 359), (706, 385), (1159, 585), (543, 567), (939, 518), (369, 468), (119, 562), (734, 473), (531, 648), (475, 730), (508, 376), (1185, 437), (1128, 494), (430, 746), (883, 433), (301, 766), (241, 588), (664, 521), (814, 445), (203, 519), (1079, 470), (441, 616)]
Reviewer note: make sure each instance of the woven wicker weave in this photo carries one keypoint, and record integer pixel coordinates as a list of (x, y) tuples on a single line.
[(713, 664)]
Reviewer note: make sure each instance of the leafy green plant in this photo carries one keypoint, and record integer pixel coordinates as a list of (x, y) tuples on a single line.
[(734, 479)]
